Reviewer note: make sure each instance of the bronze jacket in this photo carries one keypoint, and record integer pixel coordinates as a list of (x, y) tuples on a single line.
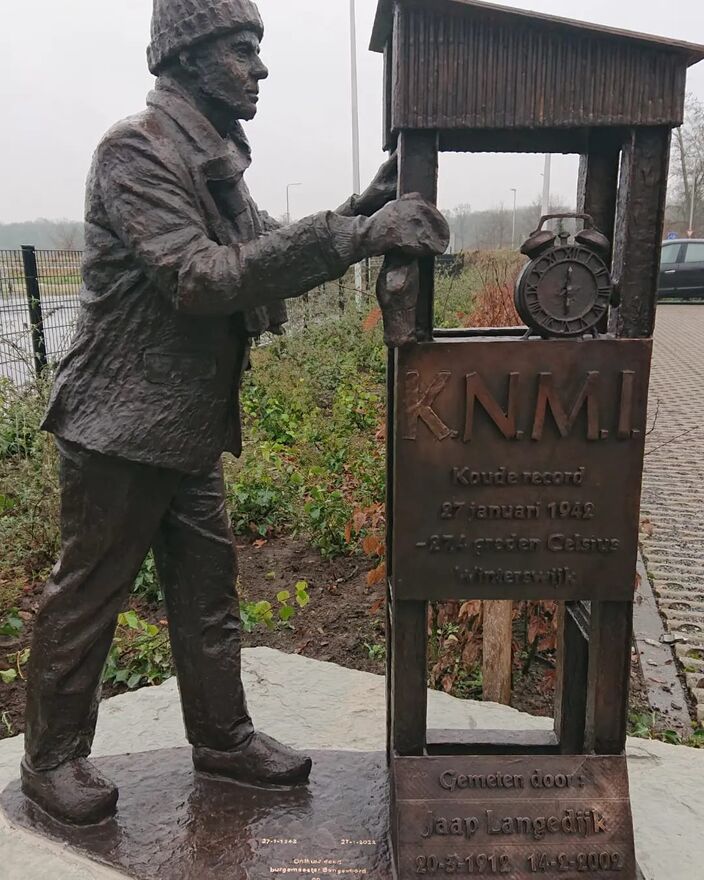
[(180, 270)]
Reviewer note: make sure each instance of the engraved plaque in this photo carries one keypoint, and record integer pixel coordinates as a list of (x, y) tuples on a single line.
[(517, 468), (514, 817)]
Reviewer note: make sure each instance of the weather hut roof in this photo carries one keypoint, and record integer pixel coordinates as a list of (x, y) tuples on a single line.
[(466, 64)]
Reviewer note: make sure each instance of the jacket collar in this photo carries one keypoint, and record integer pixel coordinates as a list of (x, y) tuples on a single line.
[(220, 159)]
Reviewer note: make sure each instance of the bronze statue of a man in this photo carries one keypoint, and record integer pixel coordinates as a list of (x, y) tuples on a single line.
[(181, 271)]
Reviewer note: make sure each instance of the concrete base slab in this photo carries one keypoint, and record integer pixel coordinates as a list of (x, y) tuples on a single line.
[(315, 705)]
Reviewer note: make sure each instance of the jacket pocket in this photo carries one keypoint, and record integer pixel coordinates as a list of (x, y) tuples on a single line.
[(166, 368)]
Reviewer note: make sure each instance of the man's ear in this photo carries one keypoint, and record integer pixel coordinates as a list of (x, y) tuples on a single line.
[(188, 65)]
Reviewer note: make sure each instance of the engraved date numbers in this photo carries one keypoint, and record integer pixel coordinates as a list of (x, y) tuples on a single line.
[(558, 509), (571, 510), (475, 864), (583, 863)]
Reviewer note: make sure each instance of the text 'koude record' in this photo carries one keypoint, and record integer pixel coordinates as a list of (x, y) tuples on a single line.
[(518, 468)]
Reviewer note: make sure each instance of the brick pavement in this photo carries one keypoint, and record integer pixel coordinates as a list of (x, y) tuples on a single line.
[(673, 493)]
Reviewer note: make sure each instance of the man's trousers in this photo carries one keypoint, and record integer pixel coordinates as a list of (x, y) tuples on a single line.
[(112, 512)]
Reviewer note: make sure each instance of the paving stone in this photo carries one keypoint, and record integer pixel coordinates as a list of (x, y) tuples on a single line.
[(673, 544)]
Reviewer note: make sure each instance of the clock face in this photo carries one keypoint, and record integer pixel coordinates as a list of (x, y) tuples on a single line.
[(564, 292)]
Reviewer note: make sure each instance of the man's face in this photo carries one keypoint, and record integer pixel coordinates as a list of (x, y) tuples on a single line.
[(228, 70)]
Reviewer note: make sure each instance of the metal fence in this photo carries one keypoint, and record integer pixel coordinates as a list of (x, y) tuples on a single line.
[(39, 306), (38, 309)]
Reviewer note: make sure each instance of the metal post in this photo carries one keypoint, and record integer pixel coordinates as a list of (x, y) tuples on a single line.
[(31, 280), (513, 231), (288, 201), (546, 184), (690, 231), (356, 176)]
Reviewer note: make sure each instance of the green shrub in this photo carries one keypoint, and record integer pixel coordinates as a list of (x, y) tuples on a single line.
[(140, 654), (21, 411), (267, 614), (11, 625), (29, 496), (326, 514), (146, 584), (314, 406), (261, 489)]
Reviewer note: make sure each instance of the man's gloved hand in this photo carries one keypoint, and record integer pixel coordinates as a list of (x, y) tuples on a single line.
[(409, 225), (382, 190)]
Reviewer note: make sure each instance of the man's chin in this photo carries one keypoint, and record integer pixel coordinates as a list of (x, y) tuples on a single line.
[(244, 113)]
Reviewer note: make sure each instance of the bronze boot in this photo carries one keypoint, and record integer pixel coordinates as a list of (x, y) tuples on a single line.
[(261, 760), (74, 792)]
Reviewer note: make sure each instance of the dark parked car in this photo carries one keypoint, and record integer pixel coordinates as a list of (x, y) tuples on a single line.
[(682, 269)]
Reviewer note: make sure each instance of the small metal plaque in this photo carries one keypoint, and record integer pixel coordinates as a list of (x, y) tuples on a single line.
[(514, 817), (518, 467)]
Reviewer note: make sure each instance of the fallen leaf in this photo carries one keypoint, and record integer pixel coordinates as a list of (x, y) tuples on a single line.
[(359, 519), (471, 609), (373, 546), (377, 606), (372, 319), (377, 575)]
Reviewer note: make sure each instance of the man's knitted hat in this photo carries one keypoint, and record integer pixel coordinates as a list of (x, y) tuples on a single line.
[(178, 24)]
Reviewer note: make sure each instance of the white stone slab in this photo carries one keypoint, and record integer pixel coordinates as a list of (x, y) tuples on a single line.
[(317, 705)]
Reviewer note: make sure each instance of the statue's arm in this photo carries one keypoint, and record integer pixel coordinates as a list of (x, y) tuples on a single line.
[(151, 206)]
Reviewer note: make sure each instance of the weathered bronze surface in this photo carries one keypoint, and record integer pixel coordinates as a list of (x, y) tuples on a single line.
[(515, 472), (467, 66), (513, 817), (175, 825), (518, 468), (182, 271)]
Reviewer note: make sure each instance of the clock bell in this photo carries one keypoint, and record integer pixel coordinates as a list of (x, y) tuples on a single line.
[(566, 288)]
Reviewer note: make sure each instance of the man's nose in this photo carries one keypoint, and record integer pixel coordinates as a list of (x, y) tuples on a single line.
[(261, 71)]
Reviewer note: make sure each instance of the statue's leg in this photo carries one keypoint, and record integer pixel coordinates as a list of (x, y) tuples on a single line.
[(197, 565), (110, 509)]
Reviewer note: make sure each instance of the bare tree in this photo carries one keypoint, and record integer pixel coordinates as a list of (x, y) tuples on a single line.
[(686, 203), (491, 229), (66, 236)]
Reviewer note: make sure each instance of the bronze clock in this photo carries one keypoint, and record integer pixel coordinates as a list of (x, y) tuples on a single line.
[(566, 288)]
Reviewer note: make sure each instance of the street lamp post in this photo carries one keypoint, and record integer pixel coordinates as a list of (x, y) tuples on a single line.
[(356, 176), (690, 231), (356, 181), (513, 231), (288, 201), (546, 184)]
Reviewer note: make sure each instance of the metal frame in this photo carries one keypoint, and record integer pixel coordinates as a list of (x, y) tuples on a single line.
[(595, 643), (622, 185)]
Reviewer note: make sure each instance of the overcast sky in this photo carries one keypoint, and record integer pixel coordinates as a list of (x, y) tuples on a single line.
[(71, 68)]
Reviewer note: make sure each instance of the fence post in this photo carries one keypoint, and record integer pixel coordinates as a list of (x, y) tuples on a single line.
[(341, 298), (31, 281)]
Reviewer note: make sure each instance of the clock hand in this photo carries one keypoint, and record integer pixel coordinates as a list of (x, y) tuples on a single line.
[(568, 290)]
